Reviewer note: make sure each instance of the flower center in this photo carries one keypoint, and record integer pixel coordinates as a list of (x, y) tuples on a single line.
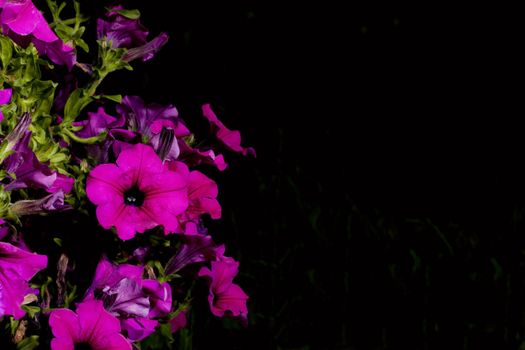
[(83, 346), (134, 197)]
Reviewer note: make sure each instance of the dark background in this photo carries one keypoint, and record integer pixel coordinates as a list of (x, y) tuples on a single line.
[(385, 207)]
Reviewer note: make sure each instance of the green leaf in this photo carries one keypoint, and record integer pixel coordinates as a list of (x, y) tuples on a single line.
[(29, 343), (6, 51), (131, 14), (76, 102)]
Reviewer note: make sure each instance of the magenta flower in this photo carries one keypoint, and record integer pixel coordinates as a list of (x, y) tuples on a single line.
[(229, 138), (134, 301), (202, 196), (225, 297), (138, 193), (195, 156), (91, 327), (17, 267), (5, 98), (179, 321), (24, 23)]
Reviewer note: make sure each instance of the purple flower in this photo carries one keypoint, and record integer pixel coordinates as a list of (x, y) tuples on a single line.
[(179, 321), (229, 138), (148, 50), (130, 298), (5, 98), (148, 119), (28, 170), (138, 193), (22, 22), (50, 203), (202, 196), (194, 249), (121, 30), (97, 123), (17, 267), (129, 33), (91, 327), (195, 156), (225, 297)]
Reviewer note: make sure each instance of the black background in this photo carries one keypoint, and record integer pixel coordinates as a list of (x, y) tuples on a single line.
[(385, 207)]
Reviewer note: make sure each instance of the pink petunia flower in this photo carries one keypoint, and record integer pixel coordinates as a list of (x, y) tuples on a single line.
[(225, 297), (202, 197), (24, 23), (17, 267), (229, 138), (91, 326), (138, 193)]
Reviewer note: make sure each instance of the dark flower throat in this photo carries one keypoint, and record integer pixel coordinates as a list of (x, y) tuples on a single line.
[(83, 346), (134, 197)]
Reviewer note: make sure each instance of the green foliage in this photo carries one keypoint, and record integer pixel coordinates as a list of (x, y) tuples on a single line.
[(69, 30)]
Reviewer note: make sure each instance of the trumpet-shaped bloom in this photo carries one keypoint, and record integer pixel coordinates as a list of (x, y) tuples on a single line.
[(138, 193), (229, 138), (225, 297), (134, 301), (17, 267), (24, 23), (91, 327)]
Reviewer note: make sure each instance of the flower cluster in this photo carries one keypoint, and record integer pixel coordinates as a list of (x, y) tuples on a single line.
[(77, 165)]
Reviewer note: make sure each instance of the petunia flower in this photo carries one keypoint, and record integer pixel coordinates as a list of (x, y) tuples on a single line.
[(91, 327), (120, 30), (202, 197), (229, 138), (179, 321), (138, 193), (28, 171), (133, 300), (17, 267), (50, 203), (24, 23), (129, 33), (194, 249), (225, 297), (5, 98), (148, 119)]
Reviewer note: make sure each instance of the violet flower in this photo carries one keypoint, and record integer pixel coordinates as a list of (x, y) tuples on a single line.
[(229, 138), (179, 321), (134, 301), (128, 33), (97, 123), (17, 267), (120, 30), (194, 249), (138, 193), (48, 204), (24, 23), (225, 297), (5, 98), (28, 170), (91, 327), (148, 119)]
